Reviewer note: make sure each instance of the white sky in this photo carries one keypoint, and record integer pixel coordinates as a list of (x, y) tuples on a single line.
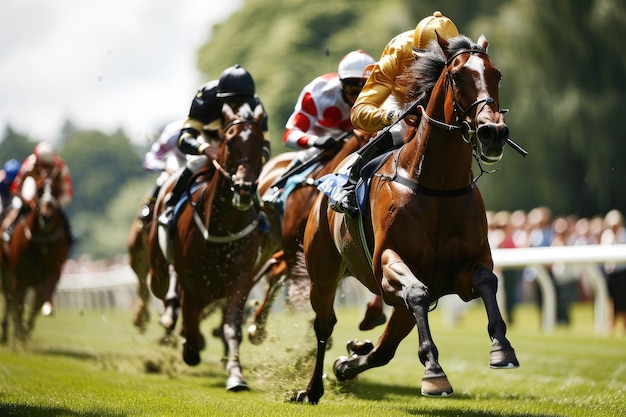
[(103, 64)]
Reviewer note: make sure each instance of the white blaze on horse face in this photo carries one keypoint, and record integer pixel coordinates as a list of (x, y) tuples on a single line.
[(477, 65)]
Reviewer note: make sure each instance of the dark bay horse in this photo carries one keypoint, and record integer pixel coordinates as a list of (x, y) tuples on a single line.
[(219, 240), (423, 230), (34, 257), (287, 262)]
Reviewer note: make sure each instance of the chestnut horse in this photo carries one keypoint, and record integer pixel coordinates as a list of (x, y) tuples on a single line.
[(34, 257), (296, 204), (218, 240), (422, 231)]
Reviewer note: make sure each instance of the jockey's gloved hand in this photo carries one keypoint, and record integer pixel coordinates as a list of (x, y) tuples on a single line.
[(325, 142)]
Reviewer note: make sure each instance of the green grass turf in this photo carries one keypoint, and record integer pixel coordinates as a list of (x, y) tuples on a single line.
[(96, 364)]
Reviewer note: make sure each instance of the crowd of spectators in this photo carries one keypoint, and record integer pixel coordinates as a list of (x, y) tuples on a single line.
[(538, 227)]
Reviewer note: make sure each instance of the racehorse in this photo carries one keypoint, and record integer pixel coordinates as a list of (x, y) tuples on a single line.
[(297, 200), (218, 240), (34, 256), (422, 231)]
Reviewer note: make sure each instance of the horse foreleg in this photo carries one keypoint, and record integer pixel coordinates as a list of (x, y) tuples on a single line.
[(5, 318), (194, 342), (322, 299), (142, 312), (170, 313), (50, 285), (399, 282), (364, 356), (231, 335), (275, 276), (19, 329), (502, 354)]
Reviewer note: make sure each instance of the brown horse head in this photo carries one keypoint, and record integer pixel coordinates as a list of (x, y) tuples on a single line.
[(240, 159), (474, 83)]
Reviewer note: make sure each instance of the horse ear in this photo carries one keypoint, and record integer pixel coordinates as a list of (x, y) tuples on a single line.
[(259, 112), (483, 42), (443, 44), (228, 112)]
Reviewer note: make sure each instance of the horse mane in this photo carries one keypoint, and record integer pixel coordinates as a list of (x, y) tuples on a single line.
[(420, 77)]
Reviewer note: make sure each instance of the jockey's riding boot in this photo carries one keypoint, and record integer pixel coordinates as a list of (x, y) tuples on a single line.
[(181, 184), (346, 203), (14, 215)]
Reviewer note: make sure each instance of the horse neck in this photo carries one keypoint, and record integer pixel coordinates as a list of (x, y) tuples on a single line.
[(40, 224), (437, 158)]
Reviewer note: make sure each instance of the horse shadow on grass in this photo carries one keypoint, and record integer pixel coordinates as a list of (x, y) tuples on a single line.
[(29, 410), (372, 391)]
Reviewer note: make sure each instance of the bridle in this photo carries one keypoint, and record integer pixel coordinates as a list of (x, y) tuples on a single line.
[(460, 125), (236, 188), (230, 176)]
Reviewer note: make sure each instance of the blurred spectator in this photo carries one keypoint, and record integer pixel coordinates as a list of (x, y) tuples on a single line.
[(504, 237), (564, 276), (615, 233)]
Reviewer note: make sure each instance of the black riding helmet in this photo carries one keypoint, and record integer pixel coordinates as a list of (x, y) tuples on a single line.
[(235, 84)]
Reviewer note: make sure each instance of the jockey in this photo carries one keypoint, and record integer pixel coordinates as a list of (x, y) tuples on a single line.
[(235, 86), (378, 104), (7, 175), (164, 157), (322, 112), (44, 159)]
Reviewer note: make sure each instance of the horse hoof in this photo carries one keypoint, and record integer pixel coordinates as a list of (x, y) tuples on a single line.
[(436, 387), (355, 347), (302, 397), (190, 355), (47, 309), (341, 368), (503, 359), (371, 321), (236, 384), (256, 335)]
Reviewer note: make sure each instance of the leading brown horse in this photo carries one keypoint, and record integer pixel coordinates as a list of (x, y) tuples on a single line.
[(34, 256), (423, 231), (219, 240)]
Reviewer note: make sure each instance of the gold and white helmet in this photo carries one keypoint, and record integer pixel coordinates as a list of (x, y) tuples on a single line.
[(425, 30)]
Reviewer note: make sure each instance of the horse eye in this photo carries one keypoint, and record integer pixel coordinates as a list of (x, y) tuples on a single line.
[(456, 77)]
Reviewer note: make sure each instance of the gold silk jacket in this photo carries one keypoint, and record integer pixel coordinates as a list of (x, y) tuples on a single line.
[(368, 112)]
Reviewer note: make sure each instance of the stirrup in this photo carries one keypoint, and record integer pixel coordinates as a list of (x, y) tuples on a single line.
[(346, 204), (146, 213), (165, 217)]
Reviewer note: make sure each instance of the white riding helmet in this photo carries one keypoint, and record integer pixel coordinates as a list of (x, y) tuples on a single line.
[(45, 153), (355, 65)]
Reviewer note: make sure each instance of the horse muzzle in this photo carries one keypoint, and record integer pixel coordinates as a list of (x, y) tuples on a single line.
[(243, 195), (491, 140)]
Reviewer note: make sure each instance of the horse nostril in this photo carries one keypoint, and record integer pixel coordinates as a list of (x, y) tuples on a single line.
[(486, 134), (504, 135)]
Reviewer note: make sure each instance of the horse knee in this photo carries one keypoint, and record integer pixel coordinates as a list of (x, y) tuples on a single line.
[(484, 278), (416, 295)]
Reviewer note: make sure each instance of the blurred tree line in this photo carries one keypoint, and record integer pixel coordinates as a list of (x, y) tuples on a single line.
[(562, 61)]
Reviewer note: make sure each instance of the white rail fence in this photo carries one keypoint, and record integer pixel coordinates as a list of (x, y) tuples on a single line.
[(117, 288)]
